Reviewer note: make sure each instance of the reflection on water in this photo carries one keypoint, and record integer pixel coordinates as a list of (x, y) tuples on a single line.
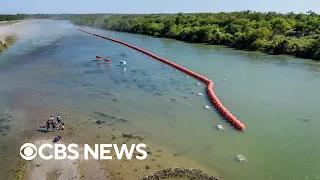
[(99, 63), (108, 66), (123, 70), (163, 105)]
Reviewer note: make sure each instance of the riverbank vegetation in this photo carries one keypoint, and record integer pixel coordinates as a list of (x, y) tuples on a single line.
[(275, 33), (6, 41), (9, 17), (292, 34)]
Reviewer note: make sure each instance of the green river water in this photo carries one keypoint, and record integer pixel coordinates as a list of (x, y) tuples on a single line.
[(276, 97)]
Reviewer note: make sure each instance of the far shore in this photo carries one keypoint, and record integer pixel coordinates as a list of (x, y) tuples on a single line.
[(8, 33), (6, 26)]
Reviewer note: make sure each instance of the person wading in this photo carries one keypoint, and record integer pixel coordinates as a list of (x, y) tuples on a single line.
[(51, 119), (48, 125), (59, 119), (61, 126), (53, 126)]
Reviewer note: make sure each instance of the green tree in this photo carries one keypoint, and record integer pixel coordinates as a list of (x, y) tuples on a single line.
[(205, 34), (258, 44), (315, 49), (302, 27), (282, 48), (280, 25)]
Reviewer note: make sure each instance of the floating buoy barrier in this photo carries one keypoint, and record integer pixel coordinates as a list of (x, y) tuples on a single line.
[(214, 99)]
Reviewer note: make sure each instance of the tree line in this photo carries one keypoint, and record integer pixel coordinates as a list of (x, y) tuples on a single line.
[(271, 32), (292, 34), (9, 17)]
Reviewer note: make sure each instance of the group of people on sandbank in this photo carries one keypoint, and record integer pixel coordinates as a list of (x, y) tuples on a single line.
[(52, 125)]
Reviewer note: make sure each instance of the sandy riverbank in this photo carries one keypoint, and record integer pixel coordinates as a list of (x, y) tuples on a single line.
[(81, 129), (11, 27), (9, 31)]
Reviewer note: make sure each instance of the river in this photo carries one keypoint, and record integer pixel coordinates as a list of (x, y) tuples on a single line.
[(276, 97)]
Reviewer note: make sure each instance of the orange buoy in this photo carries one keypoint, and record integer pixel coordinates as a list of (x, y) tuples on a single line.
[(242, 127)]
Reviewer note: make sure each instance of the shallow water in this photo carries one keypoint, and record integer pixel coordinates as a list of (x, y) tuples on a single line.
[(276, 97)]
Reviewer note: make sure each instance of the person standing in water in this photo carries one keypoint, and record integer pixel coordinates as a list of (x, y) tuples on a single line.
[(53, 126), (61, 126), (59, 119), (52, 123), (48, 125), (51, 119)]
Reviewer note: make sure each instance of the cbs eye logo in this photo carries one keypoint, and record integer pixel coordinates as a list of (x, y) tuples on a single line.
[(27, 150)]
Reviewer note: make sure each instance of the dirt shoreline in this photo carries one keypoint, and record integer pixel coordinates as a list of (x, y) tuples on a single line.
[(11, 24), (9, 32), (9, 27), (83, 130)]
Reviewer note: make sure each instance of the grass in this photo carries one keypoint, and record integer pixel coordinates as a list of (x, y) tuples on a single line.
[(18, 172)]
